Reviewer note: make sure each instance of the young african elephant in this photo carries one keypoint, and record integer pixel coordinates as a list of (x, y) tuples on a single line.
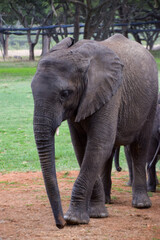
[(108, 93)]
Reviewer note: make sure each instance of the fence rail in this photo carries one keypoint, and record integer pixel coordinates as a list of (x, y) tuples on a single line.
[(19, 31)]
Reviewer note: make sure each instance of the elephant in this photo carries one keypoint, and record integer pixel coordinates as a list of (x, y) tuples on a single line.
[(152, 154), (107, 91)]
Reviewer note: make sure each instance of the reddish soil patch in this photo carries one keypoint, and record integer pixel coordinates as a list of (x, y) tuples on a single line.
[(25, 212)]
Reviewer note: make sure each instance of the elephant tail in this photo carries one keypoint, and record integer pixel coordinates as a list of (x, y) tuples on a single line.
[(116, 159), (155, 156)]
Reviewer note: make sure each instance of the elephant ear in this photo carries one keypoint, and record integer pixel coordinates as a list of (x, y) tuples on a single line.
[(64, 44), (102, 78)]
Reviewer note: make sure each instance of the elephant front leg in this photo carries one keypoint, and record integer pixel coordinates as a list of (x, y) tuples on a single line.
[(81, 208), (78, 212), (102, 191), (97, 207), (101, 133), (82, 205)]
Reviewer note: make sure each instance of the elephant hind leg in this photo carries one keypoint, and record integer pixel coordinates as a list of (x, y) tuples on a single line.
[(138, 151), (129, 163), (139, 186), (106, 178)]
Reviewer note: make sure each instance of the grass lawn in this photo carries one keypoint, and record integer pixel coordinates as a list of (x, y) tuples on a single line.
[(17, 147)]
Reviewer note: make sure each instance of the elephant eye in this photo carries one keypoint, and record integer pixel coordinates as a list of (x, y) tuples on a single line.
[(65, 93)]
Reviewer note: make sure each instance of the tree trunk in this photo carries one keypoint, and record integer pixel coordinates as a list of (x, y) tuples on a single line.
[(45, 44), (125, 31), (31, 51), (6, 45), (4, 41), (87, 27), (136, 36), (76, 23), (32, 44)]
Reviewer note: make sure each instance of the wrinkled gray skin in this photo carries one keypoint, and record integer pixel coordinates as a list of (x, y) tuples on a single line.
[(108, 93), (152, 156)]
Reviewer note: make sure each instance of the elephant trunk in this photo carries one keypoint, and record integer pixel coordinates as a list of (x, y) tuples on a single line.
[(44, 130)]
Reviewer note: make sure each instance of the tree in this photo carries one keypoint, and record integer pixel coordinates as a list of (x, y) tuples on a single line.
[(97, 17), (30, 13), (140, 13), (6, 18), (4, 40), (150, 13)]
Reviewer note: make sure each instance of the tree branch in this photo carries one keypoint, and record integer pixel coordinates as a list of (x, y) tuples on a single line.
[(53, 8), (78, 2), (19, 14)]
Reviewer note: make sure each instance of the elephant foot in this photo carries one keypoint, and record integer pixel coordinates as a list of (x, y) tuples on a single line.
[(141, 200), (73, 217), (98, 210)]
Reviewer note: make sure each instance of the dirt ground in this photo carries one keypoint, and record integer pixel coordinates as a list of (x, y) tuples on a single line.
[(25, 212)]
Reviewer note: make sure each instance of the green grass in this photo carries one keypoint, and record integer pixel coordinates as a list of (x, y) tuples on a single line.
[(17, 71), (17, 146), (4, 72)]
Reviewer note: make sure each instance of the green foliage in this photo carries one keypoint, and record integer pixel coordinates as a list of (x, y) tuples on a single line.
[(98, 17), (6, 13)]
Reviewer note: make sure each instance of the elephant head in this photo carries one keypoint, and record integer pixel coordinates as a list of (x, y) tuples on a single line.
[(71, 81)]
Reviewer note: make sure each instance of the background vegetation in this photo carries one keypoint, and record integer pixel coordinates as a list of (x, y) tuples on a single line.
[(100, 19), (17, 147)]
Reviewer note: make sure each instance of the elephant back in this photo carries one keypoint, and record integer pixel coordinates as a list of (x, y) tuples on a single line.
[(140, 80)]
